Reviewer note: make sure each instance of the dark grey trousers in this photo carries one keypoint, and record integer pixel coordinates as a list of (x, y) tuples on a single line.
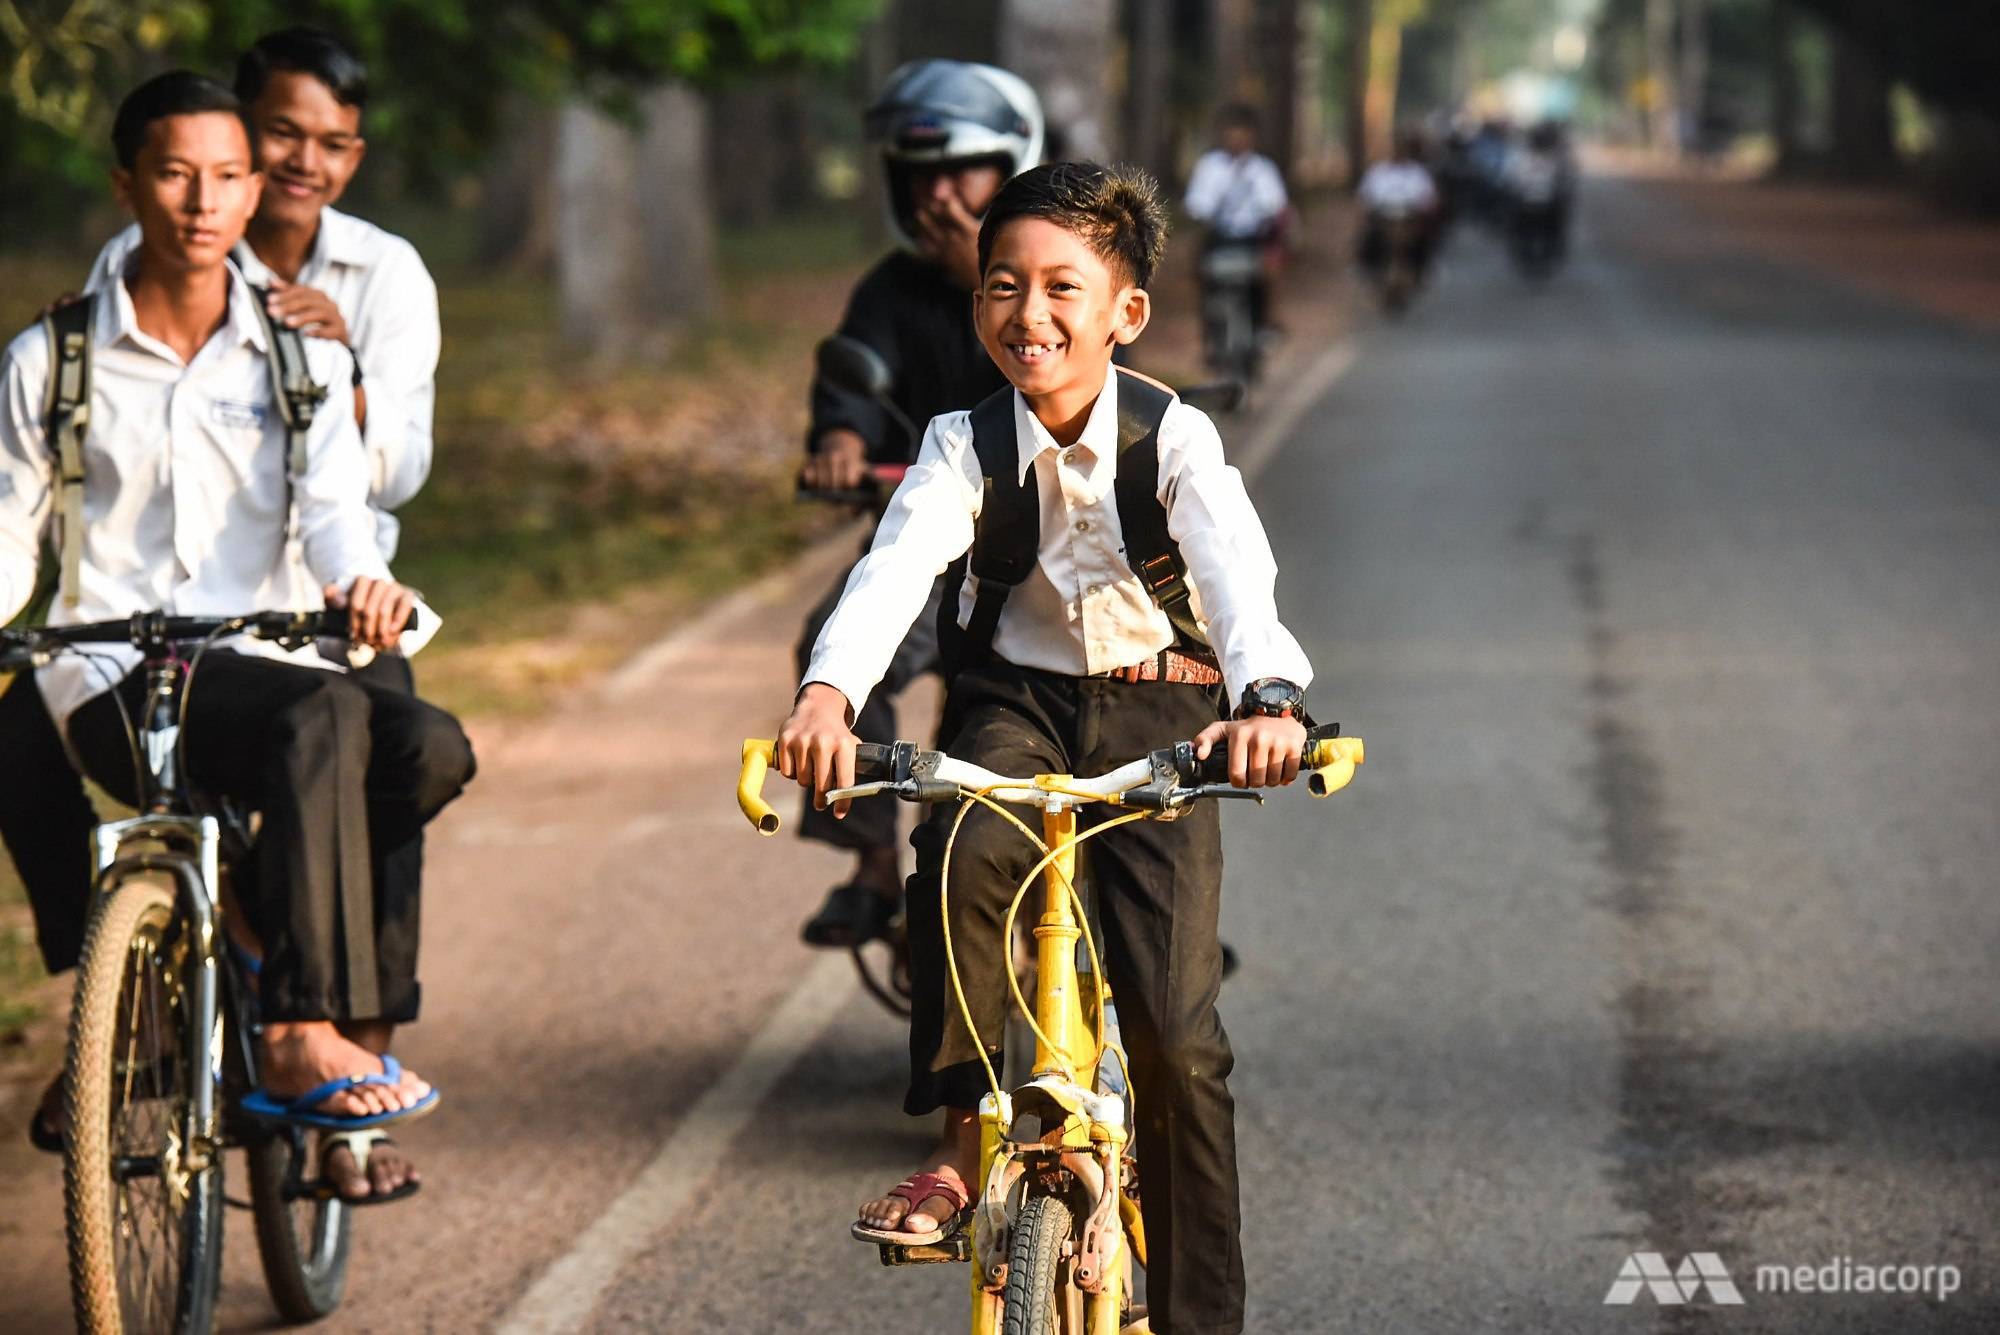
[(346, 774), (1158, 891)]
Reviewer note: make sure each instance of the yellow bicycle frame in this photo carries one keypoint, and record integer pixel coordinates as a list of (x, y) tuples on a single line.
[(1067, 1022)]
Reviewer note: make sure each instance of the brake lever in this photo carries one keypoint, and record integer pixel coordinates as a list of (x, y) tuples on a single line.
[(1223, 790)]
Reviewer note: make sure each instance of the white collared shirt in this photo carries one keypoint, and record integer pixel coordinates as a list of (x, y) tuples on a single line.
[(1401, 186), (386, 295), (1083, 610), (185, 497), (1237, 196)]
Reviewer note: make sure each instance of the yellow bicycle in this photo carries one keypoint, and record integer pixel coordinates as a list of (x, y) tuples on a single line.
[(1055, 1229)]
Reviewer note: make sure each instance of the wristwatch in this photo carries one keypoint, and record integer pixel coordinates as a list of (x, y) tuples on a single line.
[(1273, 697)]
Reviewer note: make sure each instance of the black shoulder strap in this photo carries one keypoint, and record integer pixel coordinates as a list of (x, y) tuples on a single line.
[(1007, 538), (1149, 548), (66, 415), (297, 395)]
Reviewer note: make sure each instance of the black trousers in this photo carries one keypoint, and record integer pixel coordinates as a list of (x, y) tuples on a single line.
[(869, 824), (1158, 890), (45, 821), (346, 774)]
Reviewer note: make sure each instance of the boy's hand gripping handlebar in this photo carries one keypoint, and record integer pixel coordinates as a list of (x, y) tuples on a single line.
[(1165, 781)]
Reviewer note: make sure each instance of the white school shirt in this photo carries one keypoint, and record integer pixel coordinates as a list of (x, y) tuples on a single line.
[(1083, 610), (390, 303), (185, 502), (1398, 185), (1238, 197)]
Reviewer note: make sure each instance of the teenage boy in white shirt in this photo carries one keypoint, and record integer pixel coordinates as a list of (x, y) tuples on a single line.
[(186, 509), (1080, 671)]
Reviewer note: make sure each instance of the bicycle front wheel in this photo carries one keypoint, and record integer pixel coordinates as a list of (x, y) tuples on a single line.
[(1039, 1298), (143, 1218), (303, 1243)]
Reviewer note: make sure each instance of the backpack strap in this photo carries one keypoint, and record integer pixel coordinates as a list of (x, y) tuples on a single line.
[(66, 414), (1007, 539), (1149, 547), (298, 397)]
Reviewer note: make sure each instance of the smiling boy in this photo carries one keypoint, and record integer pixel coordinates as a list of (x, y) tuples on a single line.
[(1075, 669)]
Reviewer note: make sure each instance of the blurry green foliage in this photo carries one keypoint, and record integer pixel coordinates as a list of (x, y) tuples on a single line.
[(439, 69)]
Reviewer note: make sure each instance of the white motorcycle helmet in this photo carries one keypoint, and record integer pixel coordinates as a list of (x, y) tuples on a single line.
[(935, 111)]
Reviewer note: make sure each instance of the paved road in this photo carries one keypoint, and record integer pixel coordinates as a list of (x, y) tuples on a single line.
[(1662, 918)]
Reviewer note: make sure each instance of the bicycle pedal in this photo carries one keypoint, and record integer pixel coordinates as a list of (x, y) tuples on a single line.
[(957, 1247)]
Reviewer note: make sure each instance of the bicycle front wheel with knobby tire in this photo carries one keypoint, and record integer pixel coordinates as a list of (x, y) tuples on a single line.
[(302, 1242), (1040, 1298), (143, 1216)]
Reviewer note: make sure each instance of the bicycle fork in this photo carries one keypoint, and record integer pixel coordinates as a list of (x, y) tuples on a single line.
[(1076, 1123)]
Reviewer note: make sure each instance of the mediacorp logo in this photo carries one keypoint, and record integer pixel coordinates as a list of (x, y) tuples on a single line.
[(1647, 1272), (1702, 1273)]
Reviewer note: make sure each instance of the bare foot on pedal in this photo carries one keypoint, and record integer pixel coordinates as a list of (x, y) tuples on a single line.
[(300, 1056)]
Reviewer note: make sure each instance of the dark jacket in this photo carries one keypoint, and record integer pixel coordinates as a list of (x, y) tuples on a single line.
[(907, 311)]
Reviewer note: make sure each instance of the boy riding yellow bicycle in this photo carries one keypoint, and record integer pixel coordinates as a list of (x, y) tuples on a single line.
[(1114, 589)]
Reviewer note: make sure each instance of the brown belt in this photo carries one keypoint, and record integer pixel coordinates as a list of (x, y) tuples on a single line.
[(1170, 665)]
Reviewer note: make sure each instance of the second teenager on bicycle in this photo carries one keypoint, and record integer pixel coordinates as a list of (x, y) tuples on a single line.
[(1078, 669)]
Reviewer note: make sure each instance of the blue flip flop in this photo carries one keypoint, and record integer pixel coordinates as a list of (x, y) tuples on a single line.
[(300, 1111)]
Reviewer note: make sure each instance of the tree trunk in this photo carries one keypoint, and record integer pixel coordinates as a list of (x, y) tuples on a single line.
[(1062, 48), (1282, 54), (517, 194), (1231, 25), (1784, 90), (1148, 136), (1385, 70), (600, 249), (1693, 96), (1360, 44), (1663, 119), (635, 246), (673, 198), (1864, 141)]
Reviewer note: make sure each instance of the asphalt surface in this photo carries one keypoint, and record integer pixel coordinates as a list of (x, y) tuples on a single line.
[(1662, 917)]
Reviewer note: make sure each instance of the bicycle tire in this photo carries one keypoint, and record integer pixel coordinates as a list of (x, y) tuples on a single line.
[(303, 1244), (132, 926), (1032, 1303)]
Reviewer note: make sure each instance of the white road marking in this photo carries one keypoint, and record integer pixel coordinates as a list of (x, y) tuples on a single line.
[(1297, 400), (566, 1294)]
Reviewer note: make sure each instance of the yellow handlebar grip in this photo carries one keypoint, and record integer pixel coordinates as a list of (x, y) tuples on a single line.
[(1331, 764), (757, 757)]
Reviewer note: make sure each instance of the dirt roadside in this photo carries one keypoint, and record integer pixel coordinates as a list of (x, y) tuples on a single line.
[(1888, 242), (602, 936)]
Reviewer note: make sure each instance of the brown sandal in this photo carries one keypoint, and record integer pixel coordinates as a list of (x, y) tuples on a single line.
[(917, 1189)]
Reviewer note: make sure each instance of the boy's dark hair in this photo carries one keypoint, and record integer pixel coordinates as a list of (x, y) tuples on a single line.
[(1115, 210), (303, 51), (175, 93)]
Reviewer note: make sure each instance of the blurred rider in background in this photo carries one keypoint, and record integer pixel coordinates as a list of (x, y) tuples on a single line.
[(951, 134), (1399, 188), (1238, 194)]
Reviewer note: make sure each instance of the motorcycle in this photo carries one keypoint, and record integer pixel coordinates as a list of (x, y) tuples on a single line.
[(1230, 272)]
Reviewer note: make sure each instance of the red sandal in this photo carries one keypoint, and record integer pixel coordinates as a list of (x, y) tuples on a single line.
[(917, 1189)]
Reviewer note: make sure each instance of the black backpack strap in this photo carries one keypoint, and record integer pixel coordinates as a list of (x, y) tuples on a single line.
[(66, 413), (1149, 547), (1006, 538), (297, 395)]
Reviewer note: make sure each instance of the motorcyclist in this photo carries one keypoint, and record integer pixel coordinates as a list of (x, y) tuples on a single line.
[(1540, 179), (1400, 188), (951, 134), (1239, 195)]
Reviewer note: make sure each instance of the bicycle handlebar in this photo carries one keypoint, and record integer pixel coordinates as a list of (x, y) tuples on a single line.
[(1164, 781), (32, 646)]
